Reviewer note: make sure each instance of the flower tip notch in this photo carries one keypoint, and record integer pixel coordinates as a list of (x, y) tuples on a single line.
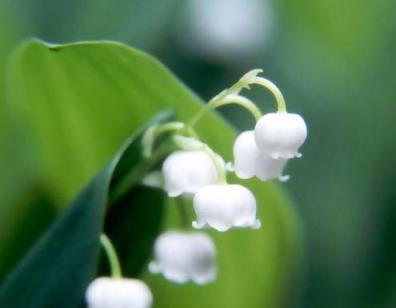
[(207, 278), (230, 167), (284, 178), (196, 225), (257, 224)]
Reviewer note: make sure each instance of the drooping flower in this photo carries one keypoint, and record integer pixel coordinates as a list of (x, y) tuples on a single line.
[(250, 162), (187, 172), (183, 256), (280, 135), (224, 206), (245, 155), (111, 292), (268, 168)]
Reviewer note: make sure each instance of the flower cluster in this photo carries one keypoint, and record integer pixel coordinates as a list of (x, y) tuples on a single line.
[(192, 171)]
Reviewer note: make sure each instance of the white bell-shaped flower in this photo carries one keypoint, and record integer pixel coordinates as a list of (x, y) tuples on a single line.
[(225, 206), (250, 162), (245, 155), (116, 293), (184, 256), (280, 135), (187, 172), (268, 168)]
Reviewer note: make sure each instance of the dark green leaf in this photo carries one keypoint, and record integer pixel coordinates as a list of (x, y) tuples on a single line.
[(134, 241), (29, 217), (58, 269)]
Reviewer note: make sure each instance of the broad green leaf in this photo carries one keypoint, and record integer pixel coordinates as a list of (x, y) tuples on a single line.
[(21, 222), (58, 269), (80, 101), (20, 190), (133, 223)]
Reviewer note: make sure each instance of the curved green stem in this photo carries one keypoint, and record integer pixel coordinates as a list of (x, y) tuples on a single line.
[(229, 99), (199, 115), (111, 256), (241, 101), (221, 171), (135, 175), (269, 85), (231, 96), (154, 132)]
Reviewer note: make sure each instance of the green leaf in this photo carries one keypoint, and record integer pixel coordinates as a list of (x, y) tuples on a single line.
[(21, 223), (58, 269), (21, 192), (133, 241), (80, 101)]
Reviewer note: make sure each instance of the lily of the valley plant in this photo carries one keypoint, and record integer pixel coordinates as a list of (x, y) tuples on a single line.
[(194, 170)]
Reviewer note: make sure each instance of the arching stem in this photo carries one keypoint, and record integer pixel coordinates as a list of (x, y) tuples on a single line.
[(111, 256), (229, 99), (154, 132), (241, 101), (269, 85)]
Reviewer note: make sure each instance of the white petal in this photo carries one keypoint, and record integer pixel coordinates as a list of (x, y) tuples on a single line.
[(205, 277), (245, 155), (198, 224), (176, 276), (184, 256), (188, 171), (269, 168), (225, 206), (280, 135), (110, 293)]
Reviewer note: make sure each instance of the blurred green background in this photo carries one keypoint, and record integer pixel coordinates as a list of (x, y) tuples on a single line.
[(333, 60)]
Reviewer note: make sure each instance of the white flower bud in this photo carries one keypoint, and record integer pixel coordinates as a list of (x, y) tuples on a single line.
[(280, 135), (225, 206), (184, 256), (187, 172), (249, 162), (111, 292)]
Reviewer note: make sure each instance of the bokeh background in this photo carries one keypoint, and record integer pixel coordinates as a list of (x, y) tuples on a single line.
[(334, 62)]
